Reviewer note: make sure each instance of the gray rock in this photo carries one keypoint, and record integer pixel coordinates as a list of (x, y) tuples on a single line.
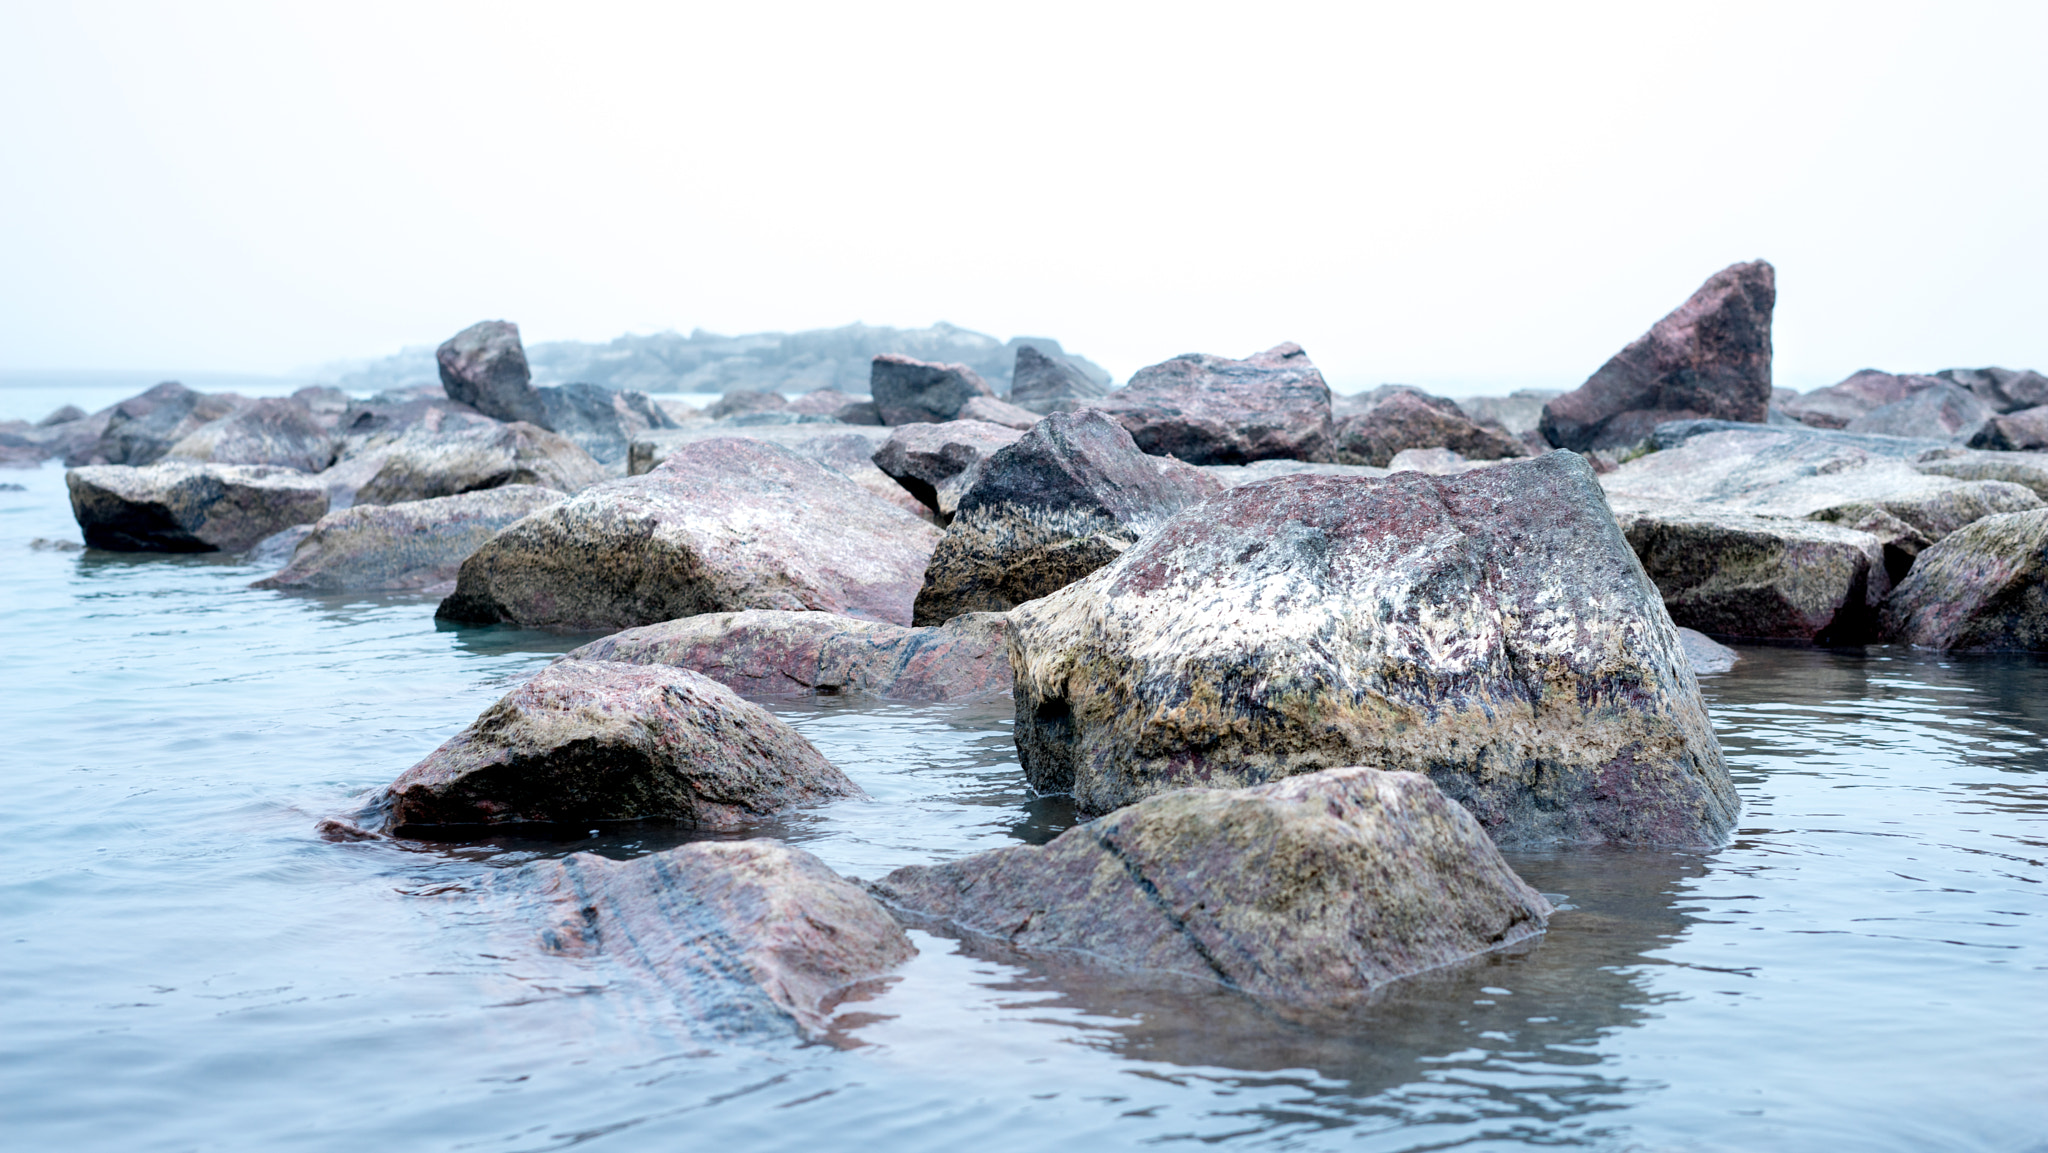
[(1520, 411), (179, 506), (937, 463), (909, 391), (748, 400), (423, 465), (484, 366), (2018, 431), (327, 403), (1212, 410), (63, 415), (2004, 389), (824, 402), (1710, 357), (1861, 393), (988, 408), (413, 545), (721, 525), (1491, 629), (1395, 418), (1042, 384), (141, 429), (1309, 893), (1983, 588), (601, 421), (846, 448), (1941, 411), (266, 431), (1707, 655), (1233, 475), (2022, 468)]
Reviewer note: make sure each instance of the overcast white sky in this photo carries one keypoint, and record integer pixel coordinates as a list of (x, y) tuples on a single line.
[(1470, 197)]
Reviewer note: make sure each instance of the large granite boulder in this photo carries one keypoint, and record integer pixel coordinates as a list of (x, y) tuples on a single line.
[(416, 544), (1711, 358), (750, 938), (1861, 393), (423, 464), (2022, 468), (141, 429), (267, 431), (602, 421), (484, 366), (179, 506), (843, 447), (2004, 389), (937, 463), (1984, 587), (765, 652), (909, 391), (993, 411), (721, 525), (2024, 430), (1941, 411), (1394, 418), (1312, 892), (1060, 502), (1213, 410), (1491, 629), (594, 741), (1043, 384)]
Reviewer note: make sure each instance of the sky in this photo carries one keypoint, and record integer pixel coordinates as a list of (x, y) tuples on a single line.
[(1470, 197)]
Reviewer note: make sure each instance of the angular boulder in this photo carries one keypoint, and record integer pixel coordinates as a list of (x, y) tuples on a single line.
[(2004, 389), (1043, 384), (988, 408), (1941, 411), (1213, 410), (1983, 588), (412, 545), (267, 431), (179, 506), (484, 366), (2025, 430), (1706, 655), (910, 391), (937, 463), (1491, 629), (1710, 357), (423, 465), (1519, 412), (2029, 469), (721, 525), (141, 429), (601, 421), (1862, 392), (845, 448), (1311, 893), (765, 652), (1395, 418), (1060, 502), (594, 741)]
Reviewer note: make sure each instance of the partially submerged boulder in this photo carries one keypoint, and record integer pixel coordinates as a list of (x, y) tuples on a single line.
[(1491, 629), (1312, 892), (1983, 588), (412, 545), (1213, 410), (596, 741), (179, 506), (1060, 502), (1710, 357), (909, 391), (721, 525), (267, 431), (1044, 384), (766, 652), (1394, 418), (484, 366), (141, 429), (937, 463)]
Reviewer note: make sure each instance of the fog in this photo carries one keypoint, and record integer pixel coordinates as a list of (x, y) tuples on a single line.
[(1468, 197)]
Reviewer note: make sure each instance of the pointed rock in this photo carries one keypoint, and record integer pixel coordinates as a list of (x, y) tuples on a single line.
[(1213, 410), (484, 366)]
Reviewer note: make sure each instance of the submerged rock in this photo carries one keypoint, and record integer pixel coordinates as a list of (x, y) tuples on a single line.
[(178, 506), (937, 463), (1491, 629), (910, 391), (267, 431), (1213, 410), (721, 525), (765, 652), (1395, 418), (1710, 357), (1310, 892), (412, 545), (598, 741), (484, 366), (1983, 588)]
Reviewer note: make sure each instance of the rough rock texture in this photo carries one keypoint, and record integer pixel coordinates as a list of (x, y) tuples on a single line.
[(747, 400), (937, 463), (1395, 418), (414, 545), (1941, 411), (178, 506), (484, 366), (2020, 431), (2004, 389), (1707, 655), (595, 741), (848, 448), (1233, 475), (1042, 384), (2022, 468), (1062, 501), (602, 421), (750, 937), (266, 431), (1434, 461), (141, 429), (1313, 891), (988, 408), (1862, 392), (908, 391), (1711, 357), (1491, 629), (422, 465), (1984, 587), (1761, 578), (68, 434), (763, 652), (722, 524), (1212, 410)]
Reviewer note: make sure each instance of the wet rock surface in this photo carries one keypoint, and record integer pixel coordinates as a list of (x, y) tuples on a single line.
[(763, 652), (721, 525), (1982, 588), (937, 463), (1309, 892), (1395, 418), (178, 506), (267, 431), (1492, 629), (412, 545), (484, 366), (910, 391), (1213, 410)]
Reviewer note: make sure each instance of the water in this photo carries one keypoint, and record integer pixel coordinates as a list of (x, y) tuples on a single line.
[(187, 967)]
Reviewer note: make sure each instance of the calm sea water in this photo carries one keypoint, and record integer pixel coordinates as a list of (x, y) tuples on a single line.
[(183, 965)]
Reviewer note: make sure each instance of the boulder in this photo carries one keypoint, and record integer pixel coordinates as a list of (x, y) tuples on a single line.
[(1520, 411), (1233, 475), (1941, 411), (1434, 461), (823, 402), (484, 366), (411, 545), (721, 525), (141, 429), (936, 463), (327, 403), (909, 391), (1706, 655), (988, 408), (601, 421), (1043, 384), (749, 400), (764, 652), (1491, 629), (749, 937), (179, 506), (1760, 578), (266, 431), (1711, 357), (423, 465), (1397, 418), (65, 414), (2020, 431), (1982, 588), (594, 741), (2004, 389), (2022, 468), (72, 441), (1309, 893), (1060, 502), (1212, 410), (1863, 392), (847, 448)]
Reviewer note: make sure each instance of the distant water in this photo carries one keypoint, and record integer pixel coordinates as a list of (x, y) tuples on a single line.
[(183, 965)]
